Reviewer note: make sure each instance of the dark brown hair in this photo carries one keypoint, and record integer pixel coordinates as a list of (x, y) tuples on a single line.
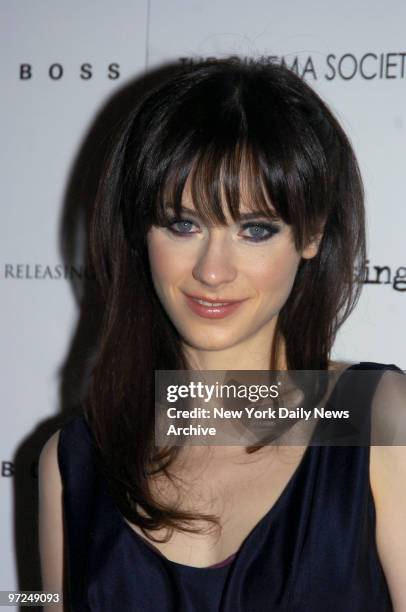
[(212, 121)]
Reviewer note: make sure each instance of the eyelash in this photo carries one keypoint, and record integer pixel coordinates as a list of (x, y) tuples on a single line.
[(271, 229)]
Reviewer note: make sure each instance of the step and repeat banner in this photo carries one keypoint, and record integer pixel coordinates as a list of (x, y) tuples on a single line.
[(69, 70)]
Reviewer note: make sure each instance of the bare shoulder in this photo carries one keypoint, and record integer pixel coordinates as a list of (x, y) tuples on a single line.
[(48, 459), (339, 366), (388, 410), (50, 523), (388, 480), (49, 476)]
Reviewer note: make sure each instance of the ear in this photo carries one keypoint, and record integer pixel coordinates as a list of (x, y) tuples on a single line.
[(312, 248)]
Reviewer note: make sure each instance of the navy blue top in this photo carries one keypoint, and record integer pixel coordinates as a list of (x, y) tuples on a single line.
[(313, 551)]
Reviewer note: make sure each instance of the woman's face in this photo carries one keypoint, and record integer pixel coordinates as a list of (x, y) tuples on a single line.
[(245, 271)]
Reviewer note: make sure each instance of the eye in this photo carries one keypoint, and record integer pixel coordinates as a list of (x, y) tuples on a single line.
[(259, 232), (182, 227)]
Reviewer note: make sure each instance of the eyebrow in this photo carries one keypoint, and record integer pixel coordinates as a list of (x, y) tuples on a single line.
[(243, 216)]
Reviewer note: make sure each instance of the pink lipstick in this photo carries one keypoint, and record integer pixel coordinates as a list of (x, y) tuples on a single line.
[(212, 309)]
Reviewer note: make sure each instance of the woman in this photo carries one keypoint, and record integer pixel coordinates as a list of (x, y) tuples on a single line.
[(227, 226)]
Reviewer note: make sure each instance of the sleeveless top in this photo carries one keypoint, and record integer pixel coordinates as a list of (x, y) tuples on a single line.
[(313, 551)]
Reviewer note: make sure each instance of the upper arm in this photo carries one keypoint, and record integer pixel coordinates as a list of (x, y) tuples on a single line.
[(388, 484), (388, 478), (51, 544)]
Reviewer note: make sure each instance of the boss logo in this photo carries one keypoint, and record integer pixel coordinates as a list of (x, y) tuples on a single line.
[(8, 469), (56, 71)]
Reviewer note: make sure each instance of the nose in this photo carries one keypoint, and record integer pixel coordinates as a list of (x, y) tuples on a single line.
[(215, 263)]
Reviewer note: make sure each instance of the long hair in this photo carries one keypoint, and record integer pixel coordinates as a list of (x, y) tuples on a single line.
[(213, 121)]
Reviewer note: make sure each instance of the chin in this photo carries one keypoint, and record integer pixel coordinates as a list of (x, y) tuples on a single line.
[(206, 341), (210, 342)]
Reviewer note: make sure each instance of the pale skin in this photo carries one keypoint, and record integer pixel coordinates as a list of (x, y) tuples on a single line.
[(225, 263), (222, 262)]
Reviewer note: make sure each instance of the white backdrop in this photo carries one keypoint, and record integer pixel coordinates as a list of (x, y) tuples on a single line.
[(61, 65)]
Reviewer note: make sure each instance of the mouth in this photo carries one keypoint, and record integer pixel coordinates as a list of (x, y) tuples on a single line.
[(212, 309)]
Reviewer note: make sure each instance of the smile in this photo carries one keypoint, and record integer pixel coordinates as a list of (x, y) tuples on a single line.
[(212, 310), (210, 303)]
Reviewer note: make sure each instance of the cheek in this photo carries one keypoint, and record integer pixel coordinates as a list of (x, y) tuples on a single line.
[(276, 275), (164, 260), (157, 259)]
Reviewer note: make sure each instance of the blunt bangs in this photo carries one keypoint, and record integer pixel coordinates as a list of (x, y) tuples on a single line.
[(220, 182), (241, 140)]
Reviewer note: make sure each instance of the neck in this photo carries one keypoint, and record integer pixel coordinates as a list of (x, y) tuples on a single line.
[(248, 357)]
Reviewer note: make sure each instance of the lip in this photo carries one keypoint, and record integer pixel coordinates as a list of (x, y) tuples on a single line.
[(220, 309)]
